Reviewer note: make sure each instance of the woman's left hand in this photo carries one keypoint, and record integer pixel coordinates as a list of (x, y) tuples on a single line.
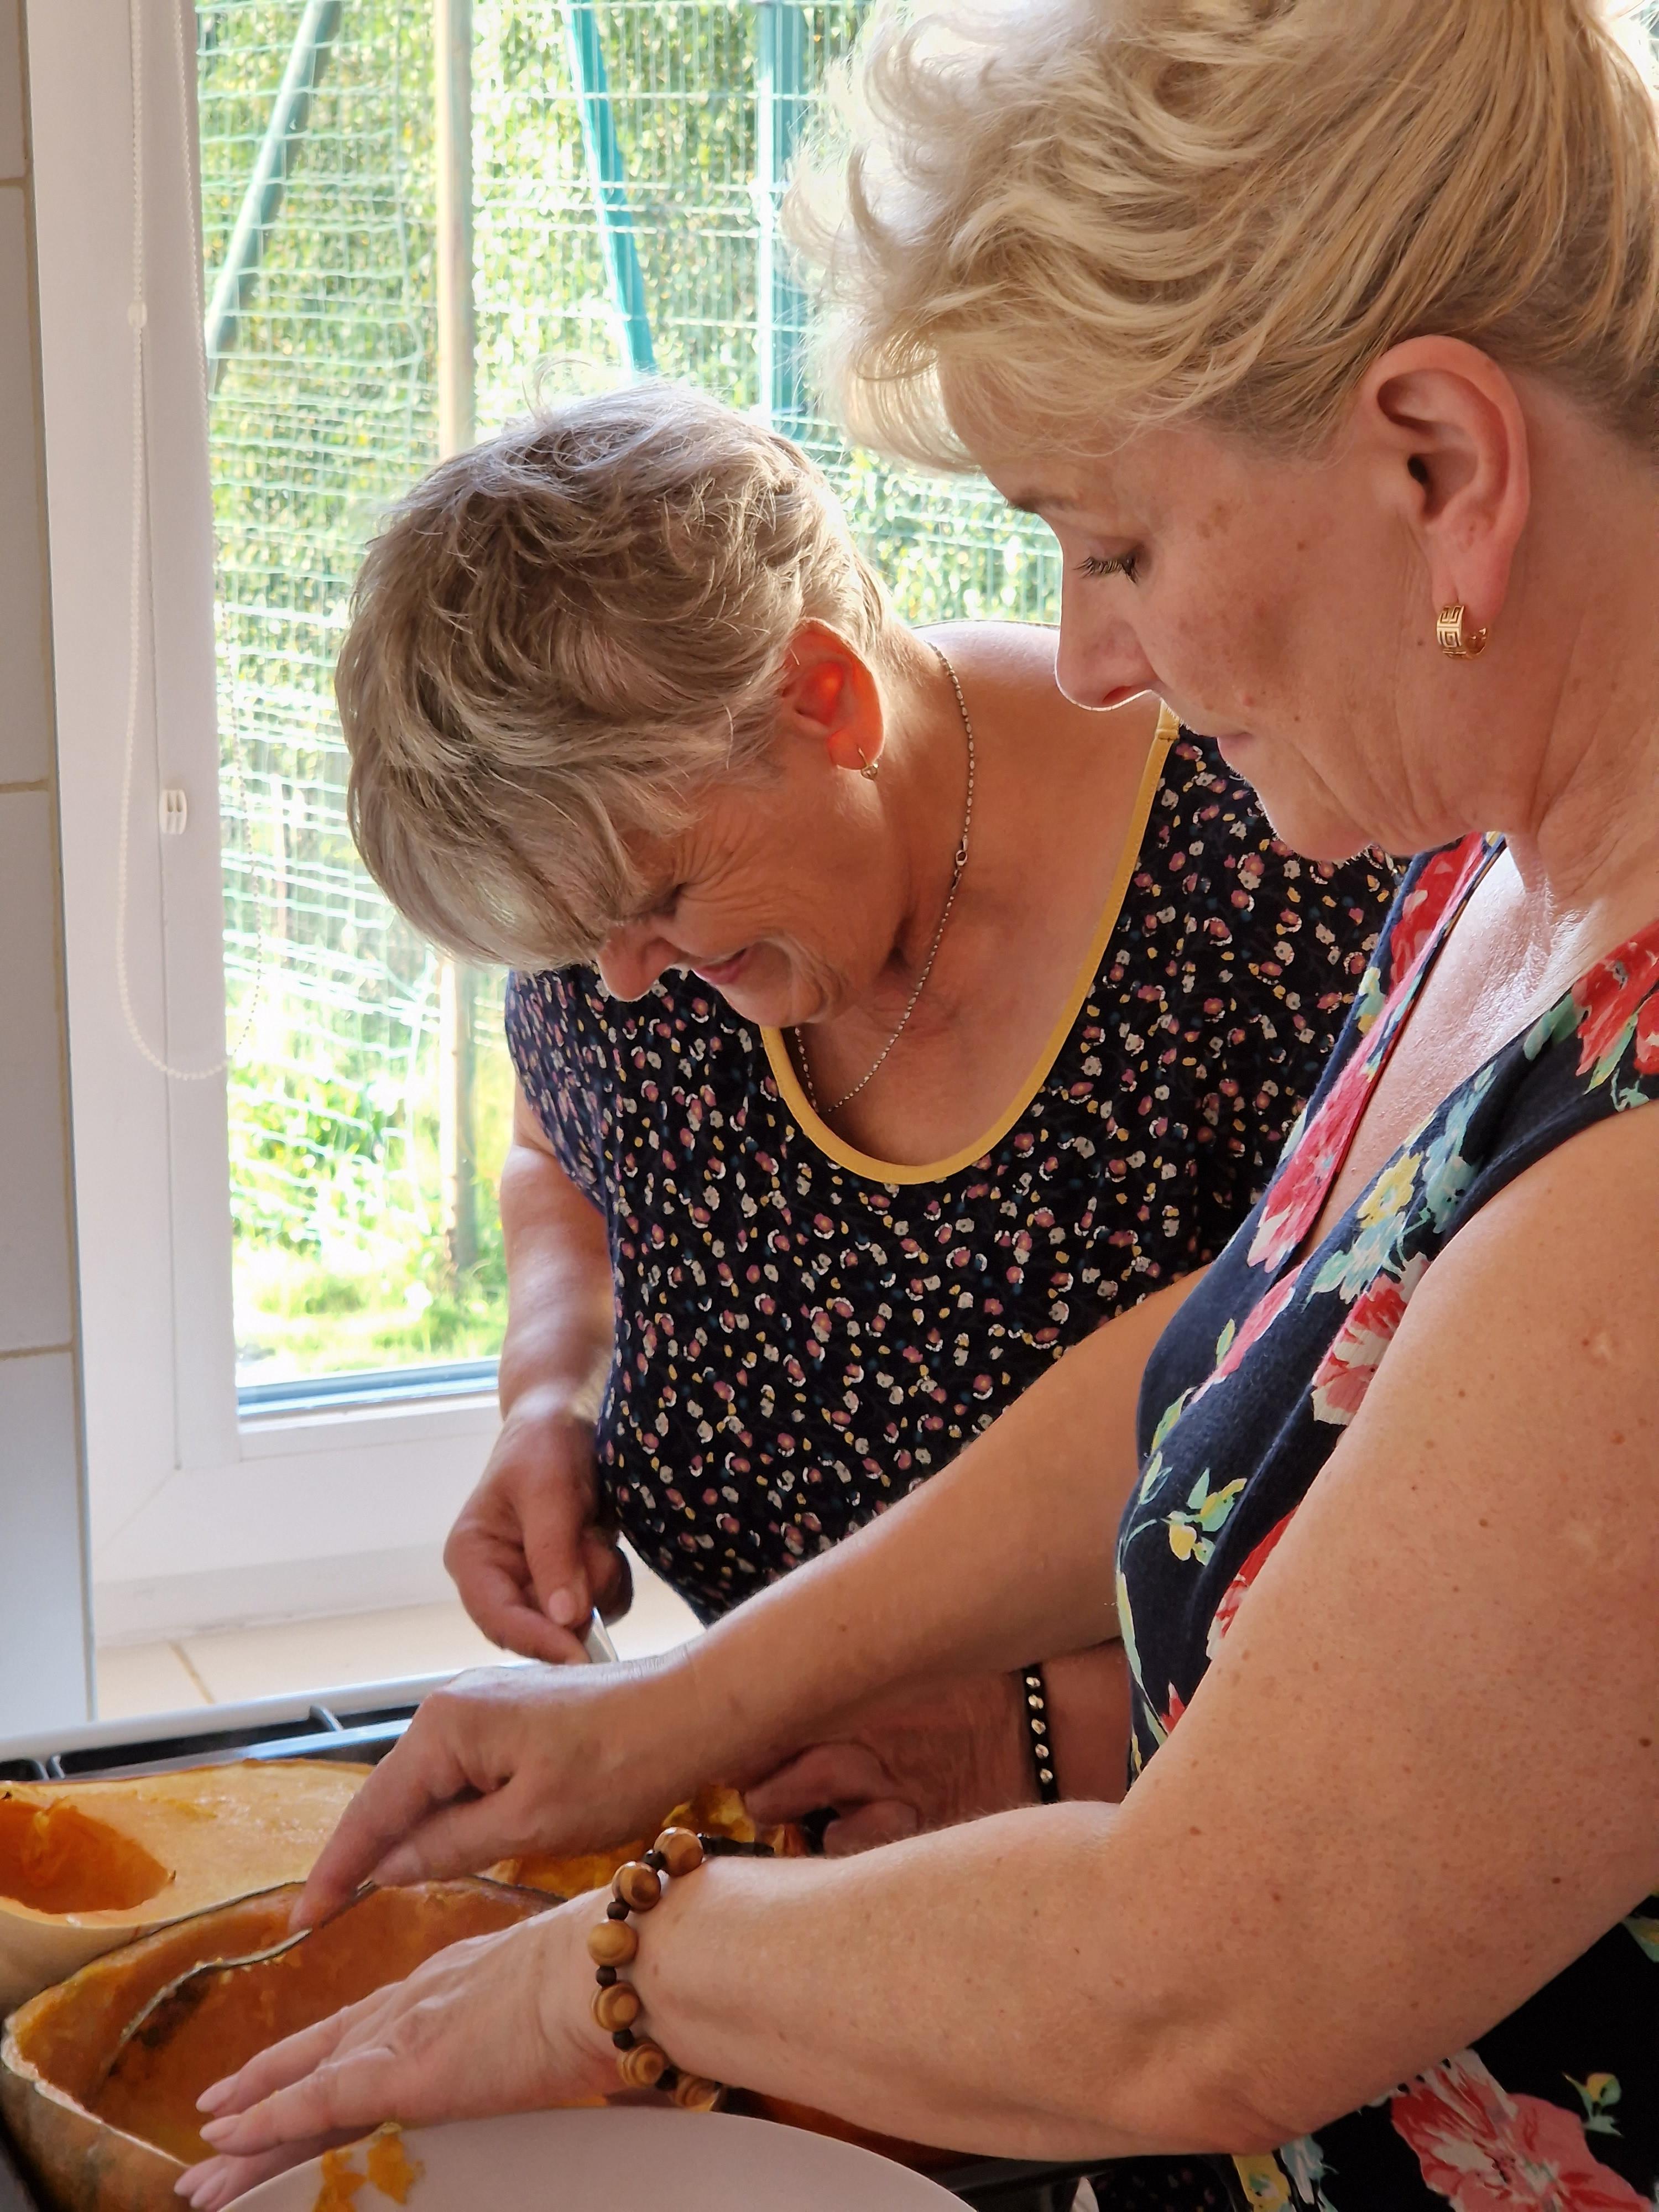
[(499, 2024)]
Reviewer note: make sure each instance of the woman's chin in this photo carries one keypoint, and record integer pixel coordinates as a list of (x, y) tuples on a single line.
[(1306, 820)]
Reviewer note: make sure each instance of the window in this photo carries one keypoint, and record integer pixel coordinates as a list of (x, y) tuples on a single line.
[(318, 1227), (622, 163)]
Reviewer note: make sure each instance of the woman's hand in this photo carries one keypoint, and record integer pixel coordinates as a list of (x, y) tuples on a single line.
[(499, 2024), (518, 1759), (528, 1553), (906, 1764)]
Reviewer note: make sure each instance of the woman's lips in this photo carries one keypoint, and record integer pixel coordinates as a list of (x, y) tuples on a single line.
[(720, 973)]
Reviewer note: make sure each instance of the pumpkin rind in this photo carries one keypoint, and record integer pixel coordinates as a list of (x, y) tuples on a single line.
[(212, 1833), (55, 2048)]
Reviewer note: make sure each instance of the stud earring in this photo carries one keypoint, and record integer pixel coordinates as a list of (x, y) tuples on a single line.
[(1457, 642)]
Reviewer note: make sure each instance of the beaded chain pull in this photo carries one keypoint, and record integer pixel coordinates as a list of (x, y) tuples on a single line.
[(637, 1888)]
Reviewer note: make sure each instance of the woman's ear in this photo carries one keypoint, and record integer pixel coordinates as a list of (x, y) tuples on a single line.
[(830, 697), (1449, 435)]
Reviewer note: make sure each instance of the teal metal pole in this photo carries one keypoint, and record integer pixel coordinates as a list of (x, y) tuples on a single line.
[(234, 287), (780, 86), (608, 184)]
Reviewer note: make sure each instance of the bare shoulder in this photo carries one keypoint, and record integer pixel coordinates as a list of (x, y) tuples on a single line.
[(1534, 1336), (1017, 660)]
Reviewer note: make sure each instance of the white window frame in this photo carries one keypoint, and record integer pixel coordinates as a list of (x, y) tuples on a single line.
[(199, 1518)]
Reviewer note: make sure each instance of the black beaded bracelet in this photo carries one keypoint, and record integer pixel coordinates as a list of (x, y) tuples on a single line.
[(1036, 1693)]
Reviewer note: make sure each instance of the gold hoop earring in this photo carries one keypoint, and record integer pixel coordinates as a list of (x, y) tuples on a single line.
[(1457, 642)]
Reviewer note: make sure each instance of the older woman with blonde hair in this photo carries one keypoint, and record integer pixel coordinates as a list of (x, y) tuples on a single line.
[(1326, 335), (885, 1022)]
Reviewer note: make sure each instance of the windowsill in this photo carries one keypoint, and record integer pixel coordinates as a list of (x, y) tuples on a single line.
[(363, 1390), (360, 1423)]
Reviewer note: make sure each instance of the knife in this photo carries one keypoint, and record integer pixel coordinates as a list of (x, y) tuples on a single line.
[(597, 1643)]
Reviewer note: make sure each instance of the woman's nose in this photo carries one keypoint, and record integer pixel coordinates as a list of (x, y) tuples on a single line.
[(631, 959), (1099, 662)]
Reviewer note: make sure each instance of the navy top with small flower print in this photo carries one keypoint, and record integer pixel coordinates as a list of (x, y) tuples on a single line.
[(1244, 1400), (803, 1334)]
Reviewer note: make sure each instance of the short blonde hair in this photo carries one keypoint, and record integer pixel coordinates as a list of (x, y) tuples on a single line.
[(1114, 212), (560, 639)]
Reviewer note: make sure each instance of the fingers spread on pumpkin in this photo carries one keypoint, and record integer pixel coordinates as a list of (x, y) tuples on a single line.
[(350, 2093), (291, 2060)]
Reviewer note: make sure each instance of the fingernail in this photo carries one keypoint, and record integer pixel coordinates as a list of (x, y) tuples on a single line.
[(210, 2099), (564, 1607), (215, 2131)]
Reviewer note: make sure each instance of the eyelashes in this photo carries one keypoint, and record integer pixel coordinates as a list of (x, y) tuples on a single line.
[(1125, 564)]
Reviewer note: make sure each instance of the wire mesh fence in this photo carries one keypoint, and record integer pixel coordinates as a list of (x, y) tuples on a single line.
[(625, 162)]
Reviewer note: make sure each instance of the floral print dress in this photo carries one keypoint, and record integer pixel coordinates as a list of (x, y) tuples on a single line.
[(1557, 2109)]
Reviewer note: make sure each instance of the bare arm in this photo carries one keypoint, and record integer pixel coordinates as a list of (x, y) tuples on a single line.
[(1003, 1558), (1384, 1722), (524, 1551)]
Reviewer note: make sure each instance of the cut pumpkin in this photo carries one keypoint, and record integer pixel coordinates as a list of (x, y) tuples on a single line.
[(714, 1811), (88, 1866), (98, 2138)]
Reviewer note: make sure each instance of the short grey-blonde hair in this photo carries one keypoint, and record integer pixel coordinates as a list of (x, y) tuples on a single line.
[(1108, 213), (560, 639)]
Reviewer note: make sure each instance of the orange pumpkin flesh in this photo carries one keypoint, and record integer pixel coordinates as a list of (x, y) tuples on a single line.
[(88, 1866), (54, 1859), (119, 2145)]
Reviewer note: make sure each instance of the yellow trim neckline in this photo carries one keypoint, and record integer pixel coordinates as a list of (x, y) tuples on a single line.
[(895, 1171)]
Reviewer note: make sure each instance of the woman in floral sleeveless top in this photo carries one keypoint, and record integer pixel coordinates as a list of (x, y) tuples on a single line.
[(1325, 336), (1558, 2105)]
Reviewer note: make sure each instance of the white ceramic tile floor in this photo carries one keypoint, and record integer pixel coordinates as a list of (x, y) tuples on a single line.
[(226, 1666)]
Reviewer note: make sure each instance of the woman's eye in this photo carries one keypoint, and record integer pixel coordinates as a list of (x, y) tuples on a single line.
[(1125, 564)]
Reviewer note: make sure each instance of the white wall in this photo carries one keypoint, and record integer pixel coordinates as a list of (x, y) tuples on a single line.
[(44, 1661)]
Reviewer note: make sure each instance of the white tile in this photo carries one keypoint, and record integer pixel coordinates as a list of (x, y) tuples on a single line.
[(24, 704), (328, 1653), (11, 88), (35, 1229), (43, 1658), (134, 1679)]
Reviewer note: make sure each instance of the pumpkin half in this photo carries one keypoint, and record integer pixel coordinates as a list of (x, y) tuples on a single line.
[(88, 1866), (103, 2138)]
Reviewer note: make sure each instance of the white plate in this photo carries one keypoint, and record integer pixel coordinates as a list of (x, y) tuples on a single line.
[(628, 2161)]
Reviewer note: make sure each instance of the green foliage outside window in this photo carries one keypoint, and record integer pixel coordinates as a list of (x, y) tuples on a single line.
[(326, 409)]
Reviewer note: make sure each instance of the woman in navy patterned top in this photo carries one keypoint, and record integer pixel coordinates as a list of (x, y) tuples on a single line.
[(794, 1313), (803, 1331)]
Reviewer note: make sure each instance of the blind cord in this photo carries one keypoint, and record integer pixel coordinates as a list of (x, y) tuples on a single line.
[(137, 319)]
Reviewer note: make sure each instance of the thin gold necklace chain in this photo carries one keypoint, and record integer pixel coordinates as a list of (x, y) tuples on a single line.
[(829, 1113)]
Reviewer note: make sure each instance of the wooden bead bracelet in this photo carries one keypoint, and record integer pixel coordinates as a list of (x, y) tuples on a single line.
[(638, 1887)]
